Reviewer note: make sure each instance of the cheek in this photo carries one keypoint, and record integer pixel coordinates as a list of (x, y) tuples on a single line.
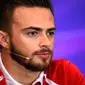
[(23, 44), (28, 45), (52, 44)]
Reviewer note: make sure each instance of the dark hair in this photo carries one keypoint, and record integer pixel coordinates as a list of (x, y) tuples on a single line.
[(7, 7)]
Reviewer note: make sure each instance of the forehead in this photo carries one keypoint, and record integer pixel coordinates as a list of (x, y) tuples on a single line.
[(29, 16)]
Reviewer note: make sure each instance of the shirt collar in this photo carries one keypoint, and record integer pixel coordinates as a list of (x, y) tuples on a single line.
[(39, 79)]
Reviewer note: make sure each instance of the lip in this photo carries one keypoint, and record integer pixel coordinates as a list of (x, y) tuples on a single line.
[(44, 55)]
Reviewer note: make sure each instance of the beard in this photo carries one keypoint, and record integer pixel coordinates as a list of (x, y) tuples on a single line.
[(30, 63)]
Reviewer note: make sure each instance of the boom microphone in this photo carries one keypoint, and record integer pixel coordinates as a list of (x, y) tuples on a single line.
[(19, 55)]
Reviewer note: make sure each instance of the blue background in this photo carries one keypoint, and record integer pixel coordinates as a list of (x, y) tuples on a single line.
[(70, 35)]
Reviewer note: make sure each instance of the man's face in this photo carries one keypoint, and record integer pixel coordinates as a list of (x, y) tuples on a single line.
[(33, 37)]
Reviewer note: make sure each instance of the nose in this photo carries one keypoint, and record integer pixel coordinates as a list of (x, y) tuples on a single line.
[(44, 41)]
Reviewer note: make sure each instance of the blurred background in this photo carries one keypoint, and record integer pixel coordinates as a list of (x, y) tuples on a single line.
[(70, 34)]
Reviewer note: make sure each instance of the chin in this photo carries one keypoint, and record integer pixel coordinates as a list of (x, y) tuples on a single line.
[(37, 66)]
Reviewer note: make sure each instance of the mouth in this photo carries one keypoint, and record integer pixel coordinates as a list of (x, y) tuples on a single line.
[(44, 55)]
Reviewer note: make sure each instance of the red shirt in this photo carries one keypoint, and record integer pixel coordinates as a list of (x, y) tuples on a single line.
[(60, 72)]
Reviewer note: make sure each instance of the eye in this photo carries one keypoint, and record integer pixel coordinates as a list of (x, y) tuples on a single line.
[(32, 34), (50, 33)]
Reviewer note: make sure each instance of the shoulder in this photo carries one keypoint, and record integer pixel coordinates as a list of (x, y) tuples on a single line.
[(63, 72), (59, 64), (65, 65)]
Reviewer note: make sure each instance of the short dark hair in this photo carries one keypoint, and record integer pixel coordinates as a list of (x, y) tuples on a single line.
[(7, 7)]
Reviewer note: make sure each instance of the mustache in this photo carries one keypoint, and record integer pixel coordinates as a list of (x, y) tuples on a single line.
[(43, 51)]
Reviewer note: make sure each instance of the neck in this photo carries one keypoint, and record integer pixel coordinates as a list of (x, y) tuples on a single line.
[(17, 71)]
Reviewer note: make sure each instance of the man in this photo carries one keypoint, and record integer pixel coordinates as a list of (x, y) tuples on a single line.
[(26, 39)]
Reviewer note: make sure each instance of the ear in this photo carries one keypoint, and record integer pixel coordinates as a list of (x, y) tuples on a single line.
[(4, 39)]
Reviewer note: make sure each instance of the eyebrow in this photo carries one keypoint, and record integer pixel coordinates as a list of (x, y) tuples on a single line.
[(52, 29), (37, 29)]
